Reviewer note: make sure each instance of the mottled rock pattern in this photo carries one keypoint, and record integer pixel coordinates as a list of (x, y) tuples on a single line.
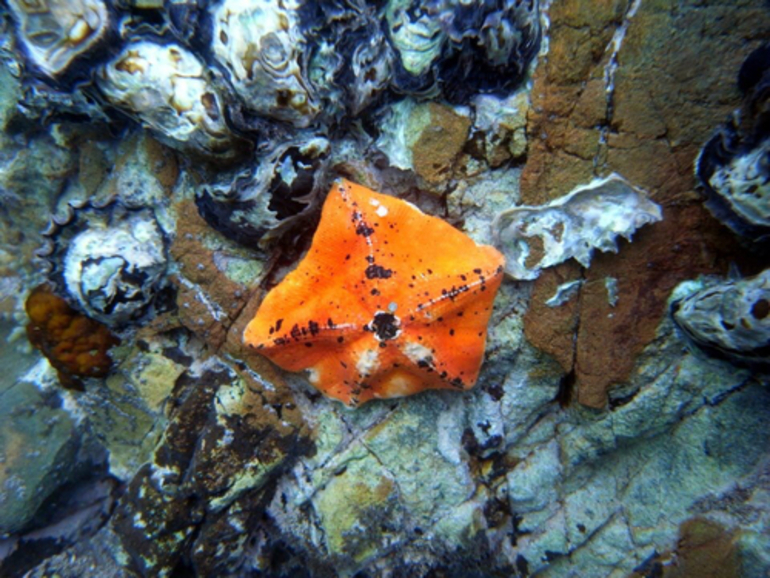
[(214, 275), (645, 119)]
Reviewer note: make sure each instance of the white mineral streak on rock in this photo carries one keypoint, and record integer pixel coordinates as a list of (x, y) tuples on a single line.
[(611, 285), (213, 308), (613, 48), (564, 293), (590, 217)]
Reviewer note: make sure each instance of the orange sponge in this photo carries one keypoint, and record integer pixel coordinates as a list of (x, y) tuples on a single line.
[(75, 345)]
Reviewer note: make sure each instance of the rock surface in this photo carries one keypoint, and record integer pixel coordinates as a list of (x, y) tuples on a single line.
[(635, 88), (597, 441)]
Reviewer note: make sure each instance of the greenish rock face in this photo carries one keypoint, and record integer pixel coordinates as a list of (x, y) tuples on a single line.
[(420, 445), (360, 510), (9, 94), (39, 441), (127, 412)]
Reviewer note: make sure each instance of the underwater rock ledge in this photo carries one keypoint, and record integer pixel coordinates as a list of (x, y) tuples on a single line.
[(164, 166)]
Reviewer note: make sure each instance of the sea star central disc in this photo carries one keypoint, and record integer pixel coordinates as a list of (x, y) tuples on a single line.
[(387, 302)]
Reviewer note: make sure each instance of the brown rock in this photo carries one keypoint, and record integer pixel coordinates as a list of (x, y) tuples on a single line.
[(705, 549), (208, 301), (440, 143), (553, 328), (671, 90)]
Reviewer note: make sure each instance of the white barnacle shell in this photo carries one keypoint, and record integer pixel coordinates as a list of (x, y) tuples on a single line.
[(371, 66), (113, 271), (416, 35), (590, 217), (261, 43), (744, 184), (56, 32), (258, 205), (728, 319), (165, 87)]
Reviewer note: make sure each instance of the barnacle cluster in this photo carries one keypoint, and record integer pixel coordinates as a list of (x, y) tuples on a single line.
[(200, 75), (258, 94)]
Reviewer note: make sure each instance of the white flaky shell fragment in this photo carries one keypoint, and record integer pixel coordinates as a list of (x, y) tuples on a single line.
[(261, 44), (165, 87), (114, 271), (590, 217), (56, 32), (728, 319)]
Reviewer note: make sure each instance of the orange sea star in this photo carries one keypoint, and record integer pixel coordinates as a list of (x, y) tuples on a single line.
[(387, 302)]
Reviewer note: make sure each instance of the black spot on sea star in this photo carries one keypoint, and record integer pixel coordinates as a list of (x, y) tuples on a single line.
[(377, 272)]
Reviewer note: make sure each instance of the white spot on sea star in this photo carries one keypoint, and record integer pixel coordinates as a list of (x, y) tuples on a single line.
[(368, 362), (416, 352)]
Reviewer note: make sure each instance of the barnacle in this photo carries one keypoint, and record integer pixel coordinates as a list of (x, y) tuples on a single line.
[(164, 86), (734, 164), (54, 33), (110, 260), (258, 204), (261, 45), (729, 319)]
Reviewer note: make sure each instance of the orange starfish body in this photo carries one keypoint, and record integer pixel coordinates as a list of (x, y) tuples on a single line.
[(388, 302)]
